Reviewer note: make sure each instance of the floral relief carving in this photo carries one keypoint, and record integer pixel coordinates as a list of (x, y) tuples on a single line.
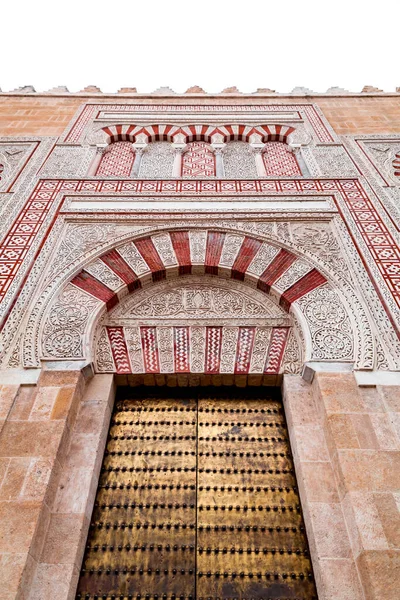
[(163, 244), (330, 327), (12, 158), (104, 274), (68, 161), (239, 161), (78, 240), (104, 359), (297, 270), (318, 239), (333, 161), (134, 345), (260, 348), (157, 161), (292, 361), (228, 349), (197, 300), (66, 323), (197, 349), (165, 349), (197, 242), (230, 249)]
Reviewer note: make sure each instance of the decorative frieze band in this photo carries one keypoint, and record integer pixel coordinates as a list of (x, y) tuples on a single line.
[(210, 350)]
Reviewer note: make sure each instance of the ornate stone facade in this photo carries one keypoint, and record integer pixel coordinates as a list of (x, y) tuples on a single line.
[(227, 243)]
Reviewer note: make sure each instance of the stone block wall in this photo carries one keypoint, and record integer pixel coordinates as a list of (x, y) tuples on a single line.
[(36, 424), (346, 445)]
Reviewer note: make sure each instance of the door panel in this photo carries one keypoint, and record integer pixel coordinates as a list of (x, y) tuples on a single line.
[(197, 498)]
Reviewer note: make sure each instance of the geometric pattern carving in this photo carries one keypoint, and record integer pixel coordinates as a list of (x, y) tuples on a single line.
[(150, 350), (278, 161), (198, 161), (276, 349), (117, 161), (181, 349), (119, 349), (191, 349), (213, 349), (244, 349)]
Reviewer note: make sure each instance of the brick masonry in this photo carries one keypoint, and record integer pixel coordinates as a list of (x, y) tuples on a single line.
[(41, 115)]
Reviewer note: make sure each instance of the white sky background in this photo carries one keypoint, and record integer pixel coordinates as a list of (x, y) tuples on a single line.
[(211, 43)]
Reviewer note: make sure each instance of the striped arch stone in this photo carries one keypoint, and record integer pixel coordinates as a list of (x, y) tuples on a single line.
[(226, 345), (190, 133), (168, 255)]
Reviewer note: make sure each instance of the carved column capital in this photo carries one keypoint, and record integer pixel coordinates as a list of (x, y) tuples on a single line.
[(257, 150), (139, 149), (218, 149)]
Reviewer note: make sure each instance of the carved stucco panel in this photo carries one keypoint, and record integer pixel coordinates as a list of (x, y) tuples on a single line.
[(104, 274), (239, 161), (12, 159), (66, 323), (134, 345), (197, 298), (230, 250), (157, 161), (68, 161), (228, 349), (198, 349), (329, 325), (260, 348), (103, 354), (165, 342)]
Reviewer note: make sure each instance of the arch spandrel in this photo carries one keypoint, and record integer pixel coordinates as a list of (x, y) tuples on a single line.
[(277, 275)]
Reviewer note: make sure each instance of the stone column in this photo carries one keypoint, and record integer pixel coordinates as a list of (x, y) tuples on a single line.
[(261, 172), (296, 149), (178, 152), (100, 149), (219, 161), (138, 159)]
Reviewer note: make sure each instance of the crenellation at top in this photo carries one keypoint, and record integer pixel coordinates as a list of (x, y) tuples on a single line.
[(195, 90)]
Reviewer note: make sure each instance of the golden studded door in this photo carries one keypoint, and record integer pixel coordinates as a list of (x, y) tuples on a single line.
[(197, 499)]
